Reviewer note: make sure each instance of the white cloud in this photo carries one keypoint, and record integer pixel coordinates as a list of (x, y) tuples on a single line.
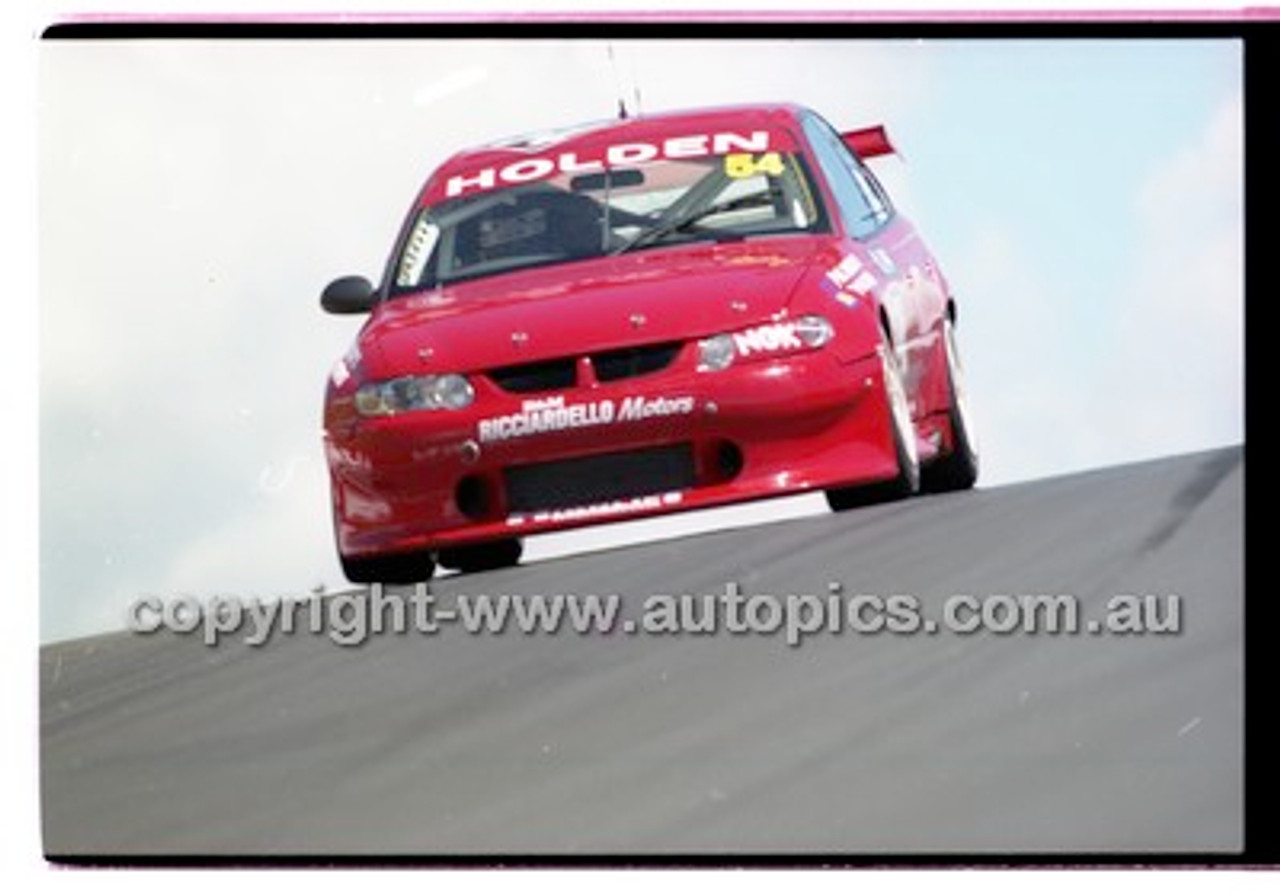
[(1022, 374), (452, 83), (1179, 366), (1069, 372), (279, 543)]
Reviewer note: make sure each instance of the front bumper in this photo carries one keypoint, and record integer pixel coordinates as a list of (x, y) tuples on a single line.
[(429, 480)]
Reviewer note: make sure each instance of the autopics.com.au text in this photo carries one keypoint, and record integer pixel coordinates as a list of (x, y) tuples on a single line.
[(351, 618)]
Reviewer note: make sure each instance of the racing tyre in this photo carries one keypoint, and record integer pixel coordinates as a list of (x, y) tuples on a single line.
[(412, 567), (958, 470), (904, 438), (484, 557)]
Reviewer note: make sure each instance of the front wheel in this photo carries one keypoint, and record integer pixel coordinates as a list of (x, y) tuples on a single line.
[(482, 557), (958, 470), (403, 569), (907, 480)]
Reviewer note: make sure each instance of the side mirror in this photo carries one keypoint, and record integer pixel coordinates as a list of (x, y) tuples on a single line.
[(350, 294)]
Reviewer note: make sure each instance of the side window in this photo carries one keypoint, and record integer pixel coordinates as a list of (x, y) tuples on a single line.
[(872, 191), (863, 207)]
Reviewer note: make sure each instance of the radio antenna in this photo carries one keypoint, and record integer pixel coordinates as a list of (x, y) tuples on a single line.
[(635, 86), (617, 85)]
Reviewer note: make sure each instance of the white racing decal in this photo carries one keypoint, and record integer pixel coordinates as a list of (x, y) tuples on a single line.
[(538, 416), (341, 374), (527, 170), (844, 271), (884, 261), (851, 280), (600, 509), (417, 252), (767, 339), (554, 414), (635, 408), (863, 284)]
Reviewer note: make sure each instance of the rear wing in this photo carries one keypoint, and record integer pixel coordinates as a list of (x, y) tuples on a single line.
[(869, 142)]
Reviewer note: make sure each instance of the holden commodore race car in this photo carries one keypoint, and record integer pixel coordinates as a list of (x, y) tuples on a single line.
[(635, 317)]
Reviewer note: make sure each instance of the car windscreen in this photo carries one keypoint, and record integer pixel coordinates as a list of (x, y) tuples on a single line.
[(571, 217)]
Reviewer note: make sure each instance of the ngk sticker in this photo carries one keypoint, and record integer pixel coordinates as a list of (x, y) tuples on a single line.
[(767, 339)]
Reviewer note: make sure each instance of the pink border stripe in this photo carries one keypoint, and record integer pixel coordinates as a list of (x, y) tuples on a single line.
[(1102, 16)]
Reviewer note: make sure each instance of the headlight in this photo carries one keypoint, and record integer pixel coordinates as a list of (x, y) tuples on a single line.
[(414, 392), (773, 339), (453, 392), (814, 331), (715, 353)]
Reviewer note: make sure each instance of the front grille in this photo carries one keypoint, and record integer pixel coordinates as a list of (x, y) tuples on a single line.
[(632, 361), (569, 483), (548, 375), (562, 373)]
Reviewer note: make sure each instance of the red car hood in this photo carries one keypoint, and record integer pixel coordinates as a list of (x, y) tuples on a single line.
[(645, 297)]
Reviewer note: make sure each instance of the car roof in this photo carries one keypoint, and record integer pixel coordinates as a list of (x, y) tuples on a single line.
[(591, 136)]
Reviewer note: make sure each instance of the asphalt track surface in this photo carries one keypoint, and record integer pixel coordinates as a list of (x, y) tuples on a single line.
[(709, 745)]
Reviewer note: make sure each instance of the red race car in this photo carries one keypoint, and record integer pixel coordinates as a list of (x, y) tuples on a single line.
[(635, 317)]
